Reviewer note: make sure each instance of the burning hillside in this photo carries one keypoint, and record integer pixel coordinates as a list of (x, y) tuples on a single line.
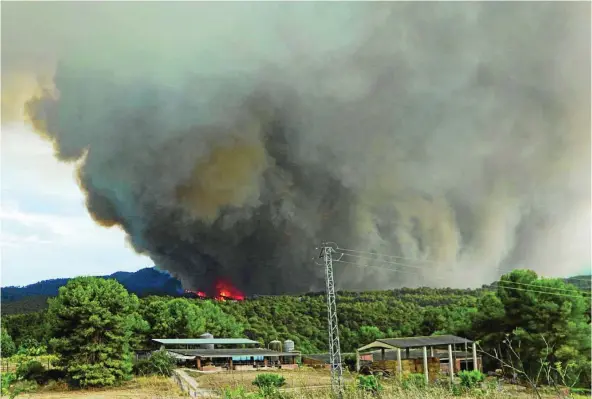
[(228, 139), (223, 291)]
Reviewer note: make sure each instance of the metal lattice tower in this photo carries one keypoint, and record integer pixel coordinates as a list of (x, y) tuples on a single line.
[(334, 347)]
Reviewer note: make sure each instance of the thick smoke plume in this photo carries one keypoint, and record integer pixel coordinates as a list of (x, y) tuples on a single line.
[(229, 139)]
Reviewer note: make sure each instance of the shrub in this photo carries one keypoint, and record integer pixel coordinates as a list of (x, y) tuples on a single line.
[(369, 383), (414, 380), (470, 379), (12, 386), (31, 370), (269, 381), (160, 363), (7, 380)]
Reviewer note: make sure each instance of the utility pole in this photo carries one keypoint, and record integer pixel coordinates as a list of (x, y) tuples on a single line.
[(334, 347)]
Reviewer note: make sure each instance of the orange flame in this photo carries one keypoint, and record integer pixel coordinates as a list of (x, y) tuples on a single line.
[(225, 291)]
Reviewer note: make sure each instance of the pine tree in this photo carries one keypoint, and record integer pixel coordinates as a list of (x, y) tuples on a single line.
[(93, 322)]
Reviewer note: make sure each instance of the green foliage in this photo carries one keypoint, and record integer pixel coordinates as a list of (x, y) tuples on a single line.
[(7, 346), (160, 363), (470, 379), (268, 380), (236, 393), (12, 386), (8, 379), (414, 381), (27, 328), (369, 383), (534, 329), (93, 322), (31, 347), (185, 318), (31, 370), (549, 332)]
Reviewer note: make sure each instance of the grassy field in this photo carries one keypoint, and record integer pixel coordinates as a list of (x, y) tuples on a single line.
[(299, 385), (302, 378), (138, 388)]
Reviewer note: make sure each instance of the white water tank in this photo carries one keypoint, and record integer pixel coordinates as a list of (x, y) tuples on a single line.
[(207, 336), (289, 345), (275, 345)]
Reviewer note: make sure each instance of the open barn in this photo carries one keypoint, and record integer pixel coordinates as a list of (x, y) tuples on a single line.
[(431, 356)]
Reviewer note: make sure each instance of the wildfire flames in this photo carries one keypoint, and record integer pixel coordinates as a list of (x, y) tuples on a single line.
[(224, 291)]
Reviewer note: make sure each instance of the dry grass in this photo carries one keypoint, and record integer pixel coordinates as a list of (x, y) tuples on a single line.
[(314, 384), (138, 388), (301, 378)]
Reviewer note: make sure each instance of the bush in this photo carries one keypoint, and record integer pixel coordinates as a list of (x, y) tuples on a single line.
[(369, 383), (7, 380), (269, 381), (414, 380), (470, 379), (160, 363), (12, 386), (31, 371)]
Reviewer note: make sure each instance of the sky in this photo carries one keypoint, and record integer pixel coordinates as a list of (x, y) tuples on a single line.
[(46, 231)]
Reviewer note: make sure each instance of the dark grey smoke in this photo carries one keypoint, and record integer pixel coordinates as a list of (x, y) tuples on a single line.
[(229, 139)]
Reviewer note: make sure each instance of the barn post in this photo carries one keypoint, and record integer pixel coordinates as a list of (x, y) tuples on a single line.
[(425, 364), (450, 363), (475, 365), (399, 364), (357, 361), (431, 351)]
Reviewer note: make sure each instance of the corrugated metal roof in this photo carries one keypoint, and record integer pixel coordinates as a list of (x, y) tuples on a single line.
[(230, 352), (205, 341), (415, 342)]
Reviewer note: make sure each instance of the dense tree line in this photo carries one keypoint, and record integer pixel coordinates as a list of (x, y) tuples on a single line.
[(94, 323)]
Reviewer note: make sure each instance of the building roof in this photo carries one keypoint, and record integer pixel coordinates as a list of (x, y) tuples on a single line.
[(230, 352), (415, 342), (205, 341)]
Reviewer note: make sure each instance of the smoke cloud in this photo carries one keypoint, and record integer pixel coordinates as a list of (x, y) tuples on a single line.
[(229, 139)]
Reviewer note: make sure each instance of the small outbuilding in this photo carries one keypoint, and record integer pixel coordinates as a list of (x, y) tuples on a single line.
[(436, 354)]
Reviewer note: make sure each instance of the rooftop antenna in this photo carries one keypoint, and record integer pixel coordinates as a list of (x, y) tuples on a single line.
[(333, 325)]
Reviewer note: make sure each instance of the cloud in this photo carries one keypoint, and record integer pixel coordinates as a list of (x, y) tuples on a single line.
[(45, 230)]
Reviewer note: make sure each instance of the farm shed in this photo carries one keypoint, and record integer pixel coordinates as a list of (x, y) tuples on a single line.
[(217, 354), (436, 354)]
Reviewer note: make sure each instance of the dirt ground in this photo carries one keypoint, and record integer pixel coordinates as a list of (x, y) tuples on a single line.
[(294, 379), (139, 388)]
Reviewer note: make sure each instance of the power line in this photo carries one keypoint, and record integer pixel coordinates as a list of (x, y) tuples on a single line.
[(505, 281), (506, 287), (337, 247)]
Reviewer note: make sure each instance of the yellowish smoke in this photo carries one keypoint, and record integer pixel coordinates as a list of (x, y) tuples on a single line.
[(19, 88), (229, 177)]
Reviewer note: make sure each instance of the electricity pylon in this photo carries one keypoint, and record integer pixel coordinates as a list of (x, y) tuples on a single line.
[(334, 347)]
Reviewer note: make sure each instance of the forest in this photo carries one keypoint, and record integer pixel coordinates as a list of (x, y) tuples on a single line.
[(538, 320)]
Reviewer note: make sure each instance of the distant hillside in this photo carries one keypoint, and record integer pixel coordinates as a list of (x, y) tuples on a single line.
[(151, 281), (148, 281)]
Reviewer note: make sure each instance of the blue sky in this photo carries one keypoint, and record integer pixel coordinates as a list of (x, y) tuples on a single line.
[(45, 230)]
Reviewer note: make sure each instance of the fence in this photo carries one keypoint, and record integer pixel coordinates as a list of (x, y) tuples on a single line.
[(10, 364)]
